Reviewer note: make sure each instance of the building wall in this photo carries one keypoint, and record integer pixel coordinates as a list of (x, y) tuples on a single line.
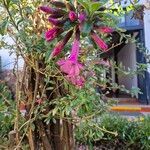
[(147, 30)]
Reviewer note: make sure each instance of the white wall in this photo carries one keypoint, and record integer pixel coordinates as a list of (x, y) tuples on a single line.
[(127, 56), (147, 30)]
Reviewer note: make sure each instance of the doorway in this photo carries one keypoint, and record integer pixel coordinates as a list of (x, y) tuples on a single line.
[(129, 55), (127, 58)]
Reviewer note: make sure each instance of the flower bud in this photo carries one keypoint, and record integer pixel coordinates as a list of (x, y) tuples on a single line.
[(60, 46), (100, 43), (72, 16), (56, 22), (50, 10), (52, 33)]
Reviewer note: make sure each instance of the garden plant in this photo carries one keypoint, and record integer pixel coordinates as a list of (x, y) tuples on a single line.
[(62, 44)]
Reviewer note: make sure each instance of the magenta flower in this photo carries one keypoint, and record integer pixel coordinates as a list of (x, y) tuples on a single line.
[(72, 16), (101, 44), (60, 46), (105, 30), (50, 10), (82, 17), (70, 66), (75, 50), (72, 61), (51, 34), (47, 9), (56, 22)]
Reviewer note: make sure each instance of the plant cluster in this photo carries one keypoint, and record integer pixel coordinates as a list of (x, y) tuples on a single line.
[(56, 90), (130, 133), (7, 108)]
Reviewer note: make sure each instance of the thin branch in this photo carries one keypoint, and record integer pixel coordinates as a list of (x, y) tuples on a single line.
[(10, 15)]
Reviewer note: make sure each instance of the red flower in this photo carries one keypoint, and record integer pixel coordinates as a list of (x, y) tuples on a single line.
[(100, 43), (60, 46)]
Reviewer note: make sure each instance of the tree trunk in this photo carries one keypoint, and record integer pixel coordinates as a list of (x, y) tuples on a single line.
[(54, 136)]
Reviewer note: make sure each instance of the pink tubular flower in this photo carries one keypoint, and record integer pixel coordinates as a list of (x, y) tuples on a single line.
[(72, 16), (51, 34), (59, 47), (101, 44), (105, 30), (57, 50), (71, 67)]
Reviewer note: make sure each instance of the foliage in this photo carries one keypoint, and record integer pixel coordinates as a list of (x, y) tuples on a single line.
[(7, 108), (51, 105), (132, 133)]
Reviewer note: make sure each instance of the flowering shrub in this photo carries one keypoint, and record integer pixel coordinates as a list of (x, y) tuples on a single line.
[(56, 91), (77, 20)]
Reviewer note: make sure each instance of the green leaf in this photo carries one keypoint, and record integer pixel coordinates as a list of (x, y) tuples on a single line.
[(3, 26), (94, 7), (18, 22), (85, 4), (8, 2)]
